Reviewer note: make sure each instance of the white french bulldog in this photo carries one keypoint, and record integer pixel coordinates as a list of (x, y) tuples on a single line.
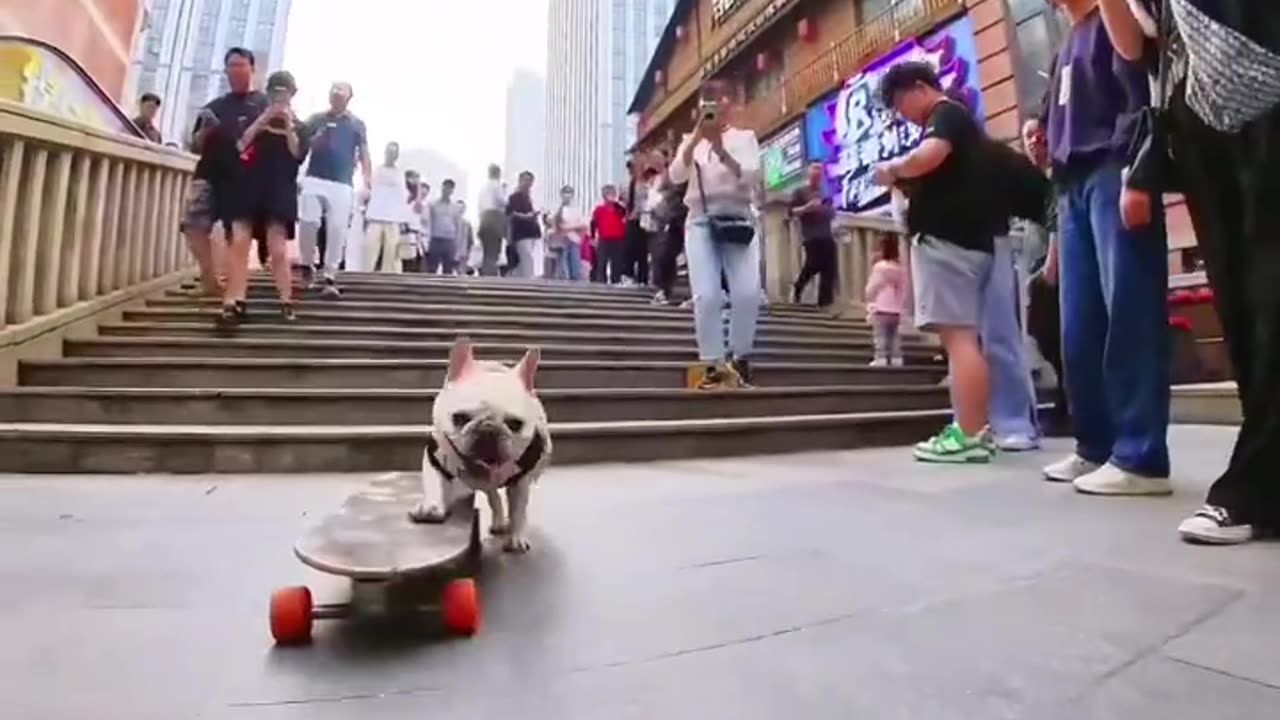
[(489, 434)]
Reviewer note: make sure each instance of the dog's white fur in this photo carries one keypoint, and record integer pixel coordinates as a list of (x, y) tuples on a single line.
[(482, 399)]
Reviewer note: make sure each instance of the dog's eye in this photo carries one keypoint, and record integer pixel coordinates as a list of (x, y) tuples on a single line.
[(514, 424), (460, 419)]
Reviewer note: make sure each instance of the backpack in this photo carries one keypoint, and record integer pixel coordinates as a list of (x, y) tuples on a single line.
[(1016, 188)]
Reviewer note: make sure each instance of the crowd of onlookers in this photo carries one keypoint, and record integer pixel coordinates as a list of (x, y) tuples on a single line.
[(1142, 101), (1145, 98)]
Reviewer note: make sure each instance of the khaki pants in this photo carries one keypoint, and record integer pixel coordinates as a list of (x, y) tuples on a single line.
[(382, 239)]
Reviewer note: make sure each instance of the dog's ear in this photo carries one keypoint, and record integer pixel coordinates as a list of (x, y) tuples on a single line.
[(460, 359), (528, 367)]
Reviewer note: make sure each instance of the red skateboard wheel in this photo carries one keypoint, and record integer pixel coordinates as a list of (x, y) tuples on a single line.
[(460, 607), (291, 615)]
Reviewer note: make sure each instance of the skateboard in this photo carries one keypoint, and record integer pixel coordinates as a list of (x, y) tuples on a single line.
[(389, 560)]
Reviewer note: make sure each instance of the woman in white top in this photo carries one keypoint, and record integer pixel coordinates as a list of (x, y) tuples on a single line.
[(721, 163), (385, 213), (569, 228)]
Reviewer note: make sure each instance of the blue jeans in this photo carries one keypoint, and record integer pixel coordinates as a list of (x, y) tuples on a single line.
[(571, 262), (1013, 396), (1115, 326), (565, 262), (706, 259)]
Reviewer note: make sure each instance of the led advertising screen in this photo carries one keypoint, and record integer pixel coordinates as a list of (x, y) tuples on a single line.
[(849, 132), (782, 158)]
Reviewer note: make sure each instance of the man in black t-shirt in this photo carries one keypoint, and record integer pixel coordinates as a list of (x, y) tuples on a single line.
[(217, 129), (811, 205), (952, 252), (525, 227)]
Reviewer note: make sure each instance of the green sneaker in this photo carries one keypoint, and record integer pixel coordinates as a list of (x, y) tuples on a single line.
[(953, 446)]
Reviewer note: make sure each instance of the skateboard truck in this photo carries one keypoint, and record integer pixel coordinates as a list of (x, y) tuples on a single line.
[(395, 590)]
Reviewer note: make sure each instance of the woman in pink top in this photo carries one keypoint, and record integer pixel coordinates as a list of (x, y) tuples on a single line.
[(886, 294)]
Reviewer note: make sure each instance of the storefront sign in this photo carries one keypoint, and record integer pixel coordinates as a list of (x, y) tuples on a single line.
[(721, 9), (850, 132), (782, 158), (40, 78)]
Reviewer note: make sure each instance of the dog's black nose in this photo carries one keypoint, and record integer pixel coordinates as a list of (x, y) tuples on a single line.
[(486, 444)]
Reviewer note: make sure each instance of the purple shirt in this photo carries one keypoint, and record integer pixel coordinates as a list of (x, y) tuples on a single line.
[(1095, 100)]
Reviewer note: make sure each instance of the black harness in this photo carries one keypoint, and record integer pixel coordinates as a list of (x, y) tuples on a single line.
[(529, 459)]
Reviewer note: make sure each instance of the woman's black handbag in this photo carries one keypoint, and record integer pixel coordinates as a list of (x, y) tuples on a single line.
[(1151, 166), (728, 229)]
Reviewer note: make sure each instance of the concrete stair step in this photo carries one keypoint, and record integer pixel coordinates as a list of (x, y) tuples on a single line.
[(379, 333), (389, 406), (457, 285), (1212, 403), (275, 347), (484, 297), (91, 448), (230, 372), (271, 306), (335, 315)]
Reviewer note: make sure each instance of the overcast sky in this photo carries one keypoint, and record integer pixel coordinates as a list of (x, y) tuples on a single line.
[(427, 73)]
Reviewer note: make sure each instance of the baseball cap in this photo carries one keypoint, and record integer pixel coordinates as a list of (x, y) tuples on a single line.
[(281, 80)]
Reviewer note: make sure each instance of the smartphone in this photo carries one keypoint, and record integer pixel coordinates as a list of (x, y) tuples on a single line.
[(710, 110)]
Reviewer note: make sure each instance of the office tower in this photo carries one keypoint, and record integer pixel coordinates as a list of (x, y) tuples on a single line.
[(179, 54), (597, 51)]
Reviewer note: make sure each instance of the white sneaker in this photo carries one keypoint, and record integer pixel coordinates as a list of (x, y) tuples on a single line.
[(896, 362), (1212, 525), (1017, 443), (1111, 480), (1068, 469), (879, 363)]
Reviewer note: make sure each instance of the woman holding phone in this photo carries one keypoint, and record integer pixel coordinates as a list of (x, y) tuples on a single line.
[(264, 199), (721, 164)]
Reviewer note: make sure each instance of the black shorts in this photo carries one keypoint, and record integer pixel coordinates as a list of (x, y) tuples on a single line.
[(259, 201)]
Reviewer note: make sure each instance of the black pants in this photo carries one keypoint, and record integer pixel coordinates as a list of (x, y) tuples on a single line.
[(1044, 324), (513, 258), (637, 259), (820, 260), (610, 262), (669, 245), (1232, 190)]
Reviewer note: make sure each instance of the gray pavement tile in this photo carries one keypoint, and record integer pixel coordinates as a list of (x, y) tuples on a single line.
[(1243, 640)]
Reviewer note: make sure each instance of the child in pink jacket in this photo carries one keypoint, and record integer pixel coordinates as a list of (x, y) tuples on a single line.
[(886, 295)]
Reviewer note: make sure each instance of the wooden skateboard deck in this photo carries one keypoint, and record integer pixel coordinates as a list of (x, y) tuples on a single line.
[(371, 537)]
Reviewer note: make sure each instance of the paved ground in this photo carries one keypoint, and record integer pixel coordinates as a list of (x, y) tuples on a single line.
[(836, 585)]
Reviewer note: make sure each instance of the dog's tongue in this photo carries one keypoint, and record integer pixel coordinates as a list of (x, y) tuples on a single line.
[(499, 473)]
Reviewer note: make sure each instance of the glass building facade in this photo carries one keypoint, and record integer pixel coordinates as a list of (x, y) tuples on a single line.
[(179, 54), (597, 51)]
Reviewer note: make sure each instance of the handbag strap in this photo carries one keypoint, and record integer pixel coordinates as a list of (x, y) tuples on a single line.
[(1164, 64), (702, 194)]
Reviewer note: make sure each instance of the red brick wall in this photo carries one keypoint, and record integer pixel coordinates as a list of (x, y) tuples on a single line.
[(995, 68), (834, 21), (99, 34)]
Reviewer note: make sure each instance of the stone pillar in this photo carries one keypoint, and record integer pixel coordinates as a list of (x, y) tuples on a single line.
[(23, 272), (74, 259), (10, 181), (54, 233), (109, 247)]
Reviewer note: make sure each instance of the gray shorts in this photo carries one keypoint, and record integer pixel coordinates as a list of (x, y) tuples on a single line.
[(949, 283), (198, 214)]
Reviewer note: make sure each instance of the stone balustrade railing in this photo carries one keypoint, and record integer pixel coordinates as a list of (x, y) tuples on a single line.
[(84, 213), (857, 243)]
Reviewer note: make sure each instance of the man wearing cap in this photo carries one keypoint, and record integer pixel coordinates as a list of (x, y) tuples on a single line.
[(338, 140), (262, 199)]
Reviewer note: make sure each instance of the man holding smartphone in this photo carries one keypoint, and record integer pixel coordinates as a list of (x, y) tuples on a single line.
[(218, 128), (338, 140)]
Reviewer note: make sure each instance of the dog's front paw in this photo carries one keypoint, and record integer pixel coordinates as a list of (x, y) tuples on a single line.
[(499, 528), (516, 544), (432, 514)]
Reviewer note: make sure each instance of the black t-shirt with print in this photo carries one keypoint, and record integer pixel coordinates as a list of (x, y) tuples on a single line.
[(235, 112), (522, 228), (947, 203)]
